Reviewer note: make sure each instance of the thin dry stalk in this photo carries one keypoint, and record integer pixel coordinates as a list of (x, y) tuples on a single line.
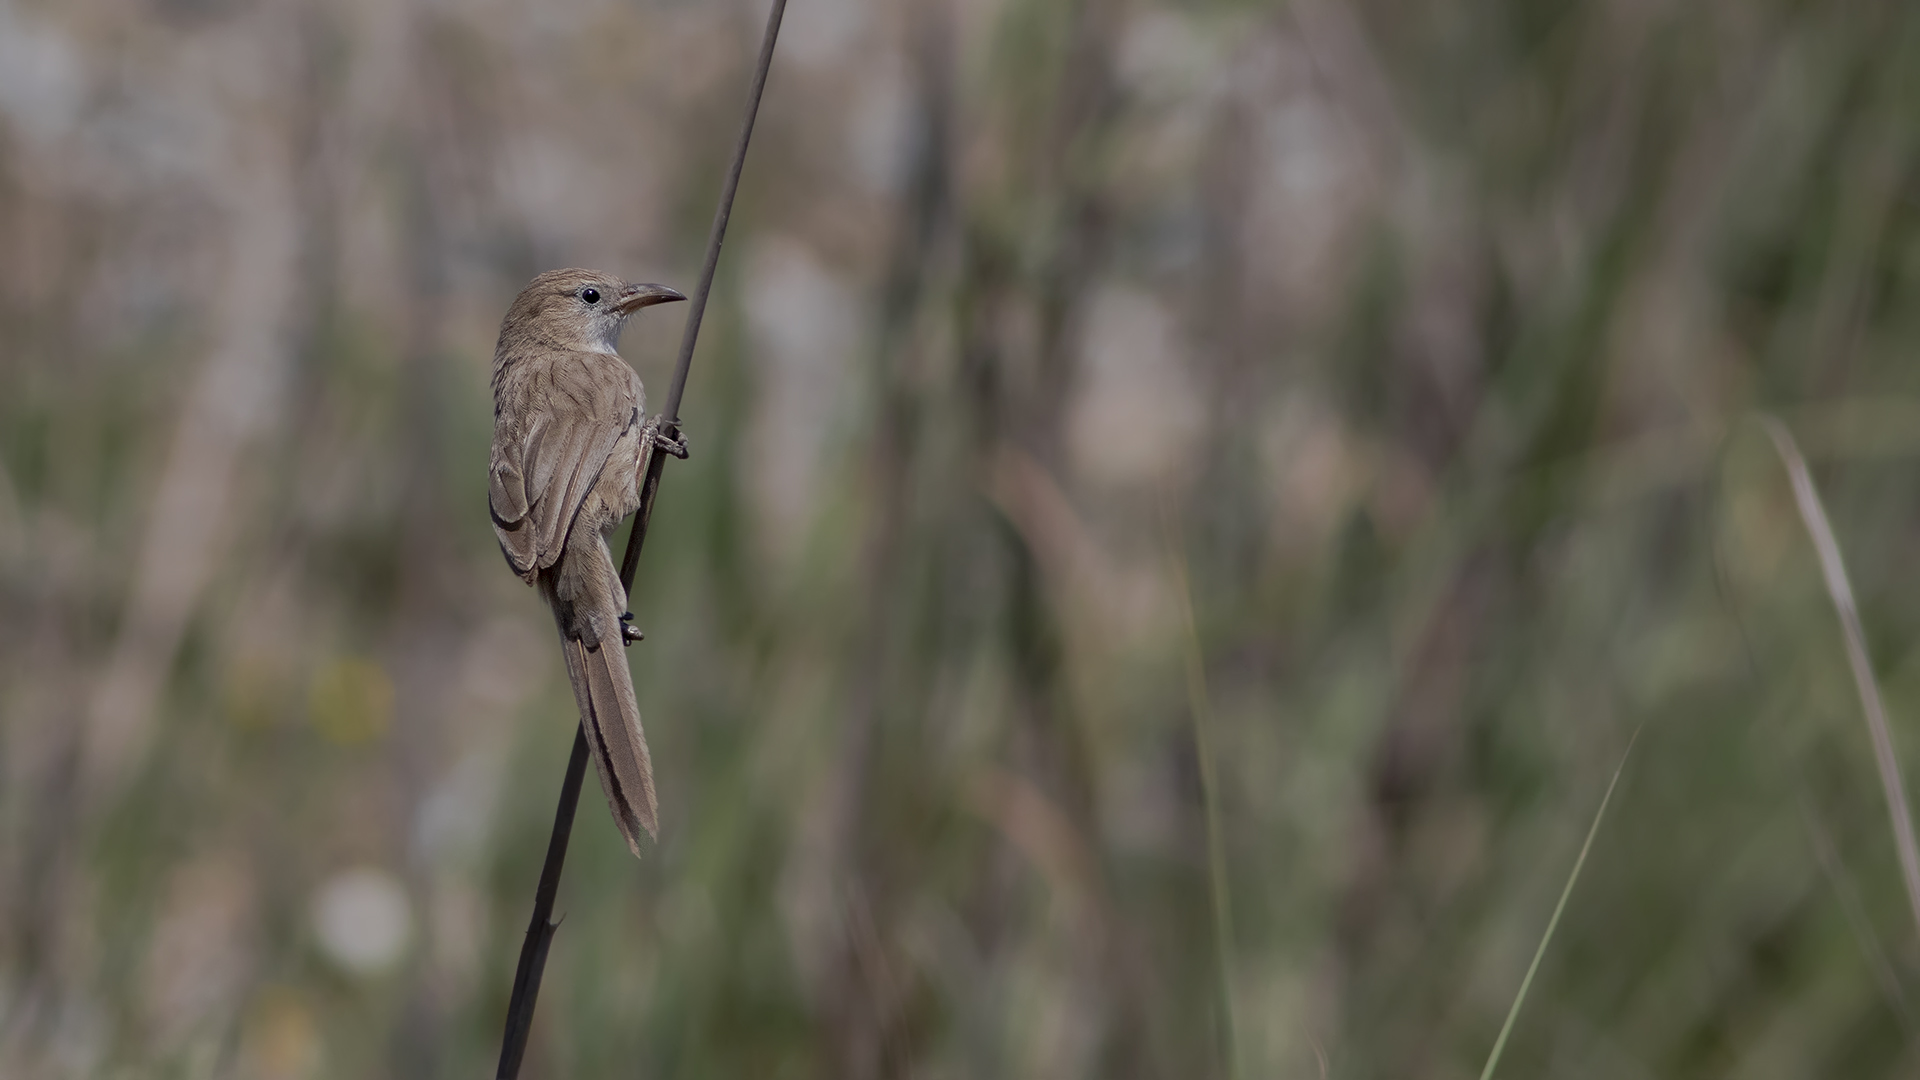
[(1834, 570), (533, 951)]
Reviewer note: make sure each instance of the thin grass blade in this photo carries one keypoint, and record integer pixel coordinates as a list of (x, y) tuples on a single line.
[(1506, 1029), (1202, 712)]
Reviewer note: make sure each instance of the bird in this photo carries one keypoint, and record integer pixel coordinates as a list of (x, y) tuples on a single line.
[(572, 442)]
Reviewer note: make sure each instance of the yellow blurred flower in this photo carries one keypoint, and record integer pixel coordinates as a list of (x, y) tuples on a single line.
[(351, 701)]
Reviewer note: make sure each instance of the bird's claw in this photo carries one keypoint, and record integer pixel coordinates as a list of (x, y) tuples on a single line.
[(629, 633), (674, 444)]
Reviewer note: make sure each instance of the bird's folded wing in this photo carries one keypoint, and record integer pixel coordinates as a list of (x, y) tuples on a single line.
[(545, 464)]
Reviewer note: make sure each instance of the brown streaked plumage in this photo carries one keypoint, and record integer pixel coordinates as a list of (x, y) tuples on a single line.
[(571, 443)]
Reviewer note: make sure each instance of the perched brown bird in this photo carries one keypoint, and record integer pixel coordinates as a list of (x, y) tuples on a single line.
[(571, 445)]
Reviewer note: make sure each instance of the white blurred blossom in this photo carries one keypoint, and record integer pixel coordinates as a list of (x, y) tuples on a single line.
[(363, 919)]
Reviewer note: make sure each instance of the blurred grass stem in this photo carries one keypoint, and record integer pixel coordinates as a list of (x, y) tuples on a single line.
[(1834, 570), (1201, 710), (533, 952), (1506, 1029), (1827, 856)]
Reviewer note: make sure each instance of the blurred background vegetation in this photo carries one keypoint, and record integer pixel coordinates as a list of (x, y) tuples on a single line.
[(1414, 348)]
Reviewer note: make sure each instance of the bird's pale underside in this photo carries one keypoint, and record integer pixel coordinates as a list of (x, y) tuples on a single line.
[(571, 445)]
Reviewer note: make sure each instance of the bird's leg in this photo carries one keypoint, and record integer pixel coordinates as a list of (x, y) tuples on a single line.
[(629, 633), (674, 444)]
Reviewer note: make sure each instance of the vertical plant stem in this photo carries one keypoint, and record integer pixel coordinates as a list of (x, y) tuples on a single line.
[(1201, 710), (533, 951), (697, 310), (1834, 570)]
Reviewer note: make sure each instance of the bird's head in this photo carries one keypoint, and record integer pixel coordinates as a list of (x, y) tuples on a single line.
[(579, 309)]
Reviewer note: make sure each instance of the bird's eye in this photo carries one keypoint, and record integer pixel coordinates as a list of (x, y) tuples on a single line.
[(590, 295)]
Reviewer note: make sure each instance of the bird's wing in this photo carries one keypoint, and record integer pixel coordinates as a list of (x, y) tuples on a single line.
[(549, 447)]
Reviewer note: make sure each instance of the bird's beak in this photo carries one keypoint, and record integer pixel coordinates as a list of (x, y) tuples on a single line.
[(634, 297)]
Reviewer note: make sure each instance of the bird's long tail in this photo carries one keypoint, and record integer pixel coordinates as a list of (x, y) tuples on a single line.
[(603, 688)]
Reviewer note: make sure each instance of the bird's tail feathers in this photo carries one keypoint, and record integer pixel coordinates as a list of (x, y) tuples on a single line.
[(603, 688)]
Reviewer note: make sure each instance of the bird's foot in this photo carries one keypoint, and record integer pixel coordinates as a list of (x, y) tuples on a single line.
[(629, 633), (675, 443)]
